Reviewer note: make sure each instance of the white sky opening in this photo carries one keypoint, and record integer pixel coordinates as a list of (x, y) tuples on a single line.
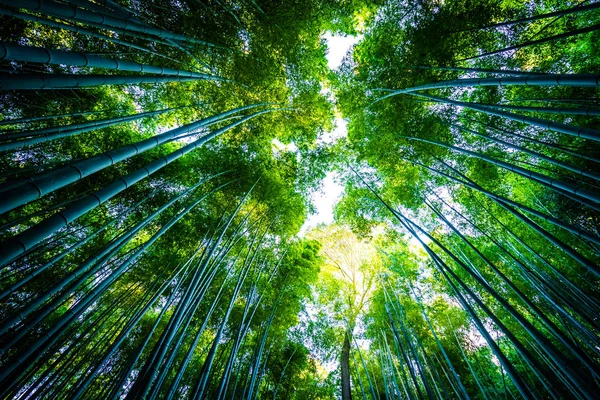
[(337, 47), (331, 191)]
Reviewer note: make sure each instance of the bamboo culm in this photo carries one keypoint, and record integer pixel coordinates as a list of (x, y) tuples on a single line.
[(63, 26), (25, 240), (41, 55), (580, 171), (52, 335), (545, 180), (551, 326), (48, 134), (585, 133), (24, 191), (573, 10), (507, 204), (74, 81), (482, 70), (69, 12), (11, 289), (17, 121), (548, 39), (592, 112), (83, 271), (146, 378)]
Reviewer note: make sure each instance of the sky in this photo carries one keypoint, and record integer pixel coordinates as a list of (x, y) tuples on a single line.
[(331, 192), (337, 47)]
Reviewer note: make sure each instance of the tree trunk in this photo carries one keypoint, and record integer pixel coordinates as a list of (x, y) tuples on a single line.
[(345, 366)]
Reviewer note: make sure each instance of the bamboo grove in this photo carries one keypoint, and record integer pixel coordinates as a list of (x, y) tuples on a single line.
[(159, 161)]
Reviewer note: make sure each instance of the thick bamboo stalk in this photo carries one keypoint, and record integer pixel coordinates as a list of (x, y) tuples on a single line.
[(41, 55), (550, 350), (548, 39), (58, 81), (88, 5), (77, 29), (84, 271), (175, 384), (580, 171), (147, 375), (528, 272), (483, 70), (532, 307), (48, 134), (547, 110), (19, 365), (17, 194), (568, 11), (586, 133), (13, 287), (72, 127), (546, 144), (69, 12), (25, 240), (46, 117), (572, 80), (508, 205), (543, 179), (202, 381), (463, 390), (118, 9)]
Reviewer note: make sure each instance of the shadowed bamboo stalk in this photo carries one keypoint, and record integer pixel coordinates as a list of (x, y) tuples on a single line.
[(148, 373), (545, 180), (532, 307), (78, 29), (586, 133), (547, 346), (45, 117), (41, 55), (48, 134), (75, 126), (23, 191), (19, 365), (573, 10), (20, 243), (574, 80), (58, 81), (576, 230), (547, 110), (69, 12), (580, 171), (548, 39), (79, 275), (13, 287), (91, 6), (483, 70), (546, 144), (527, 272), (508, 205)]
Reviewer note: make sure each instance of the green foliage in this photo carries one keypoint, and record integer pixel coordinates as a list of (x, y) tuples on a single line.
[(463, 262)]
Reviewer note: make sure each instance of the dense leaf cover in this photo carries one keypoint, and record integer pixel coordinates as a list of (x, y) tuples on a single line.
[(158, 160)]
